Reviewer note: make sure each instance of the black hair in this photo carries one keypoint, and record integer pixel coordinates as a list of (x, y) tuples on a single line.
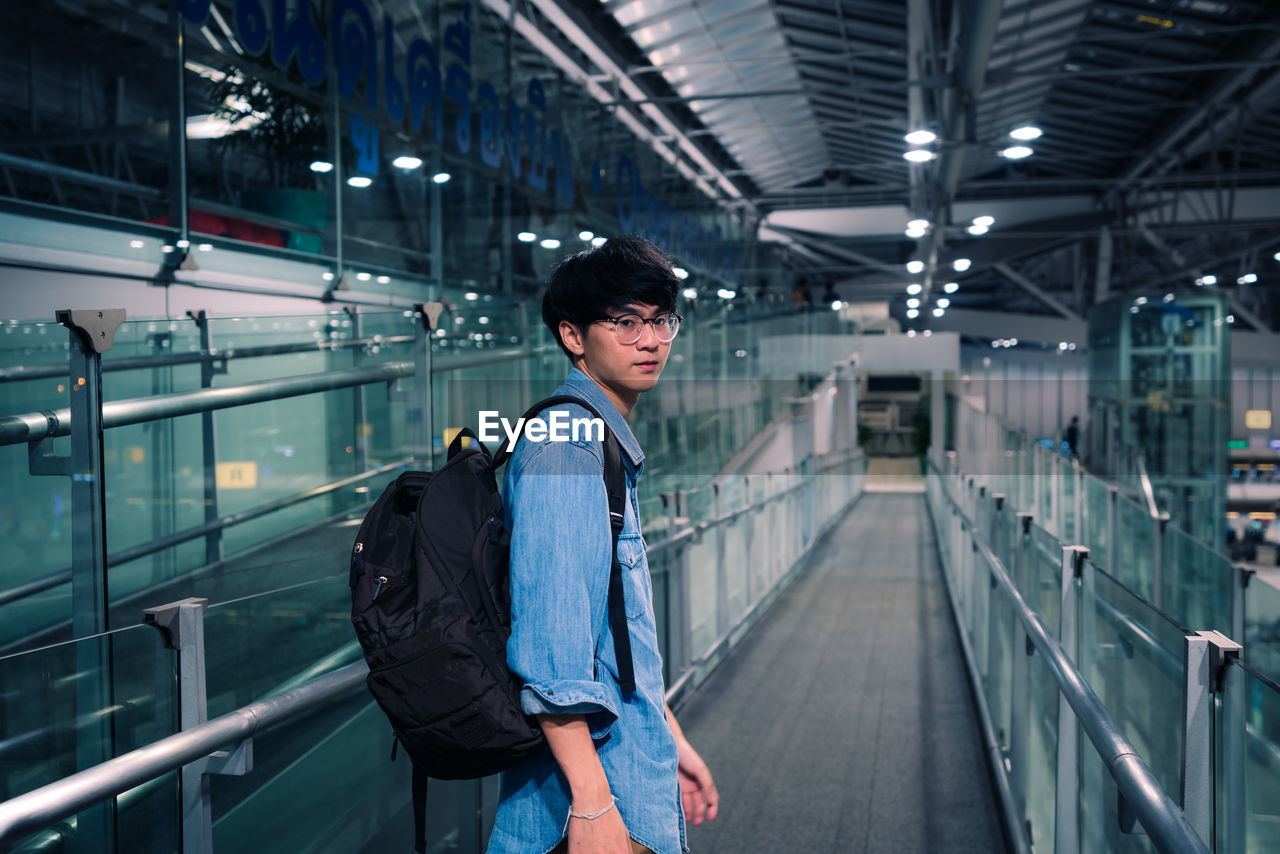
[(589, 285)]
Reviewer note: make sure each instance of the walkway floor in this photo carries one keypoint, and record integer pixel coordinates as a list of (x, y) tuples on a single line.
[(844, 722)]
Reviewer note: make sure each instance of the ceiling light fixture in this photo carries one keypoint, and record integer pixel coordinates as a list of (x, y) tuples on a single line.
[(1026, 133), (681, 272), (321, 166), (951, 287), (920, 137), (914, 289), (938, 312), (360, 181), (585, 235), (1016, 152), (1247, 279), (919, 155), (550, 243), (441, 177), (689, 293), (988, 221), (597, 242), (407, 161), (526, 237), (961, 264), (913, 303), (944, 303), (978, 230), (914, 267), (912, 313)]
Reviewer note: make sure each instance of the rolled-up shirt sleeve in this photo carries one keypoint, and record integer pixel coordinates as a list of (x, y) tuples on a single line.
[(557, 512)]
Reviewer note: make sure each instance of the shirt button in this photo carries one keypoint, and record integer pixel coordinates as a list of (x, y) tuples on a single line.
[(551, 693)]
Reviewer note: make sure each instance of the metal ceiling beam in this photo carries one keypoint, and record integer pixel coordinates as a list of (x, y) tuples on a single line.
[(1223, 93), (1035, 290), (823, 244)]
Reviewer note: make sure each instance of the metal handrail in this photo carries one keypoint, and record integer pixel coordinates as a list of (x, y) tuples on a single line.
[(1148, 492), (1159, 815), (68, 796), (161, 360), (195, 532)]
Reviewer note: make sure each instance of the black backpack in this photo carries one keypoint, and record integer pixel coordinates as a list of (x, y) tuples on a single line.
[(431, 605)]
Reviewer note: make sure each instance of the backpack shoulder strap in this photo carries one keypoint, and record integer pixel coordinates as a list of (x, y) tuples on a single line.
[(615, 484)]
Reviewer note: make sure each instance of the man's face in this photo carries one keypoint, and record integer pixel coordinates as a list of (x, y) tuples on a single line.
[(627, 370)]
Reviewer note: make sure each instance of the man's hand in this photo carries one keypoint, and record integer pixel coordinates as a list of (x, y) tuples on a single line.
[(604, 835), (697, 790)]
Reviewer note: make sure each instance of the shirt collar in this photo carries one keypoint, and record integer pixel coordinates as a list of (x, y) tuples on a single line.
[(581, 385)]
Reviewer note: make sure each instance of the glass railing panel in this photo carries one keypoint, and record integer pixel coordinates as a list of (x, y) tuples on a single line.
[(1197, 583), (1070, 523), (257, 645), (998, 685), (70, 706), (1262, 625), (1096, 497), (1101, 830), (1041, 758), (1132, 657), (736, 554), (1133, 547), (1042, 584), (1260, 775), (703, 610)]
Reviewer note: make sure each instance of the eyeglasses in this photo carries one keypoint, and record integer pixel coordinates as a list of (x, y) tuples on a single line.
[(629, 327)]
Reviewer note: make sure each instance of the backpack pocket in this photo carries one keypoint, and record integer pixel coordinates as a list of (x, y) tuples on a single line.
[(452, 713), (382, 604)]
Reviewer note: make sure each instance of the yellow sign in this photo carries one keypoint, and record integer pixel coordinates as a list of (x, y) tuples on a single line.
[(237, 475), (1258, 419), (450, 433)]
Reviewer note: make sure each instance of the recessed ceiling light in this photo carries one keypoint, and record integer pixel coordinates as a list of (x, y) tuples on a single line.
[(526, 237), (585, 235), (1016, 152), (1247, 279), (961, 264), (912, 313), (978, 230), (597, 242), (442, 177), (988, 221), (360, 181), (914, 267), (920, 137), (681, 272), (914, 289), (938, 312), (1026, 133), (321, 166), (1210, 279), (550, 243), (690, 293), (951, 287), (407, 161), (913, 303), (919, 155), (944, 303)]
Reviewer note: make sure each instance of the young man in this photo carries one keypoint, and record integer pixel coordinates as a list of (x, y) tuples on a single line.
[(616, 770)]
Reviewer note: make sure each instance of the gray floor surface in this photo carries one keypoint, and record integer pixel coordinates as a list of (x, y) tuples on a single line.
[(843, 722)]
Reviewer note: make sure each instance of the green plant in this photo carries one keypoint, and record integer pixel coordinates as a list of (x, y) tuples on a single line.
[(287, 130), (921, 432)]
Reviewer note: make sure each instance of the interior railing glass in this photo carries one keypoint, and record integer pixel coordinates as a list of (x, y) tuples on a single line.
[(249, 500)]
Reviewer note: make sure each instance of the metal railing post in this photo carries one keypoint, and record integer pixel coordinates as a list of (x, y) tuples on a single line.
[(1158, 525), (92, 334), (1204, 674), (182, 624), (1067, 819), (1240, 577), (1092, 809), (1019, 677), (1233, 794), (209, 369), (1113, 494), (993, 627)]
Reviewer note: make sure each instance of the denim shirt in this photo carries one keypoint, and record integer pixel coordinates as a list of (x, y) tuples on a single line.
[(561, 644)]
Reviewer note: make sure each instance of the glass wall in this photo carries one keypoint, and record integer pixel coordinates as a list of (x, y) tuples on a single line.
[(414, 149)]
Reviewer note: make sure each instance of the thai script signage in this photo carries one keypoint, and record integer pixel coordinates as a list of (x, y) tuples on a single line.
[(417, 84)]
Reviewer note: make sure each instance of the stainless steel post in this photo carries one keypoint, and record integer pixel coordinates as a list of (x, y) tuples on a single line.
[(1158, 526), (1067, 819), (182, 624), (1113, 494), (1019, 680), (92, 334), (209, 368)]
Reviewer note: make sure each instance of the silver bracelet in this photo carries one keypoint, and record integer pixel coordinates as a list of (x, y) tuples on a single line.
[(592, 816)]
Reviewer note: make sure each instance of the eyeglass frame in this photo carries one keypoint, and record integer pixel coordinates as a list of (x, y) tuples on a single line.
[(651, 321)]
